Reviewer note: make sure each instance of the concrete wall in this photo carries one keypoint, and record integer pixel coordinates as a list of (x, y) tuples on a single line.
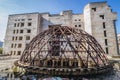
[(96, 16), (15, 32), (87, 19), (65, 18), (91, 21)]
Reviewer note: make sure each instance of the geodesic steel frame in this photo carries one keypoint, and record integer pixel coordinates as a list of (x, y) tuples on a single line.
[(62, 43)]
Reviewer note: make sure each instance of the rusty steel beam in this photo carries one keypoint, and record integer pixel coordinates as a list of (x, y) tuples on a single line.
[(63, 46)]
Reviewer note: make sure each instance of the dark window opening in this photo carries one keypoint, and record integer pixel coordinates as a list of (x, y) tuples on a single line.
[(29, 19), (75, 19), (29, 24), (105, 35), (79, 19), (20, 38), (22, 19), (22, 24), (94, 9), (13, 38), (107, 50), (19, 45), (65, 63), (55, 63), (49, 63), (102, 16), (14, 24), (18, 25), (14, 31), (28, 31), (75, 64), (55, 50), (55, 46), (75, 25), (27, 37), (79, 25), (59, 63), (21, 31), (19, 53), (104, 25), (11, 45), (106, 43)]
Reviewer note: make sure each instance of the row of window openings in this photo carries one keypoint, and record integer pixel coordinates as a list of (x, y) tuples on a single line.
[(105, 35), (104, 26), (102, 16), (106, 43), (14, 52), (20, 38), (77, 25), (94, 9), (22, 24), (77, 19), (23, 19), (21, 31), (16, 45)]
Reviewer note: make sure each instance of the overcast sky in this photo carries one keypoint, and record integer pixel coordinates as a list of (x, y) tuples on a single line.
[(8, 7)]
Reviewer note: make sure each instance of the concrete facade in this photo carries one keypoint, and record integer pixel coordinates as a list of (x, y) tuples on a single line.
[(20, 30), (100, 23), (97, 19)]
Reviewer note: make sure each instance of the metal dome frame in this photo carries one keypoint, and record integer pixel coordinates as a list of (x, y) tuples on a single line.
[(61, 50)]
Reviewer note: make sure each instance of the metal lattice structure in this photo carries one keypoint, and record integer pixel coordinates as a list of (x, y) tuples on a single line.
[(63, 49)]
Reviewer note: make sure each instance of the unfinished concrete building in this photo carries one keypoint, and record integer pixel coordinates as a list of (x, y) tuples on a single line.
[(97, 19)]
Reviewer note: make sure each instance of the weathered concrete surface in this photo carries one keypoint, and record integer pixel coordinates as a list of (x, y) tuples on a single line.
[(100, 23), (6, 62), (90, 21)]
